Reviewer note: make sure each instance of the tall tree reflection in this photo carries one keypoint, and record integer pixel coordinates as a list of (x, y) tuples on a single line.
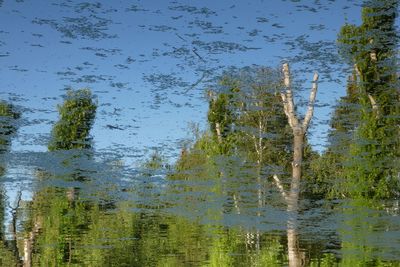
[(57, 214), (8, 127)]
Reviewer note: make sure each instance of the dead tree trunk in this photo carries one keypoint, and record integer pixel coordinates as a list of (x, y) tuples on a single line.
[(29, 242), (296, 257)]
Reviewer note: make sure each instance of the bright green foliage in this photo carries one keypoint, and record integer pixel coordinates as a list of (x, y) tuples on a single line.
[(220, 112), (7, 258), (60, 220), (76, 119), (199, 160), (221, 106), (79, 232), (75, 232), (8, 115), (371, 166), (231, 249), (327, 260), (263, 132), (329, 168), (376, 35), (345, 116), (251, 113), (361, 243)]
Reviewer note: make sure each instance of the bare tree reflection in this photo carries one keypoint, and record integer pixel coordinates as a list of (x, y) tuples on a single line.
[(296, 257)]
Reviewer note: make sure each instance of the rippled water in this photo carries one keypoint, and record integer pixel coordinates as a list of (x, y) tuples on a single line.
[(126, 172), (86, 212)]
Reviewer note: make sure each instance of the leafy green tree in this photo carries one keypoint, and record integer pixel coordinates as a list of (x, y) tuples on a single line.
[(248, 106), (329, 168), (375, 148), (8, 116), (8, 127), (261, 125), (77, 115), (247, 120), (55, 222), (220, 115)]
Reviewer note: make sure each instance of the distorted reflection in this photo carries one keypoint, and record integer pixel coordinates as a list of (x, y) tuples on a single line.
[(110, 179)]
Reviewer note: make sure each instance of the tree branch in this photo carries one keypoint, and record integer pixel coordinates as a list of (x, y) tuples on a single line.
[(373, 102), (287, 98), (371, 98), (286, 75), (311, 102), (255, 144), (18, 201), (280, 187)]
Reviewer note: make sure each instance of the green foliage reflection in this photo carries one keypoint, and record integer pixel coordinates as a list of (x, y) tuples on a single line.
[(77, 115)]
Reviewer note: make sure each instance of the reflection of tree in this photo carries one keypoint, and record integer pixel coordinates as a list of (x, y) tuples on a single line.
[(330, 167), (8, 248), (76, 119), (299, 128), (8, 115), (58, 221), (361, 236), (66, 229), (372, 170), (88, 234), (77, 114), (229, 249), (255, 123), (250, 114)]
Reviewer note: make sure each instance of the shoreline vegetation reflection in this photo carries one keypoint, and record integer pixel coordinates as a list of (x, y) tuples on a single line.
[(248, 191)]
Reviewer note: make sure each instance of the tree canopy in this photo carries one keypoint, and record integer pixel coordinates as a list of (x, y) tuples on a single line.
[(77, 115)]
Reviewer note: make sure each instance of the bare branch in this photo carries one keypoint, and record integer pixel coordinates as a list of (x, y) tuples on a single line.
[(197, 54), (291, 120), (255, 144), (311, 102), (374, 105), (284, 101), (373, 102), (180, 37), (280, 187), (287, 82), (264, 147), (287, 98), (18, 201), (286, 75)]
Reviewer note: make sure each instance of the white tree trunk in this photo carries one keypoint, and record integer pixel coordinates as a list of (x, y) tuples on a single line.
[(295, 256)]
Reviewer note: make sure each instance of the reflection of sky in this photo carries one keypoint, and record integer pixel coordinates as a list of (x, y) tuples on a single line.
[(149, 61)]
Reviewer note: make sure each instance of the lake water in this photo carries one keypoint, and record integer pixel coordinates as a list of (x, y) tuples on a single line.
[(149, 186)]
